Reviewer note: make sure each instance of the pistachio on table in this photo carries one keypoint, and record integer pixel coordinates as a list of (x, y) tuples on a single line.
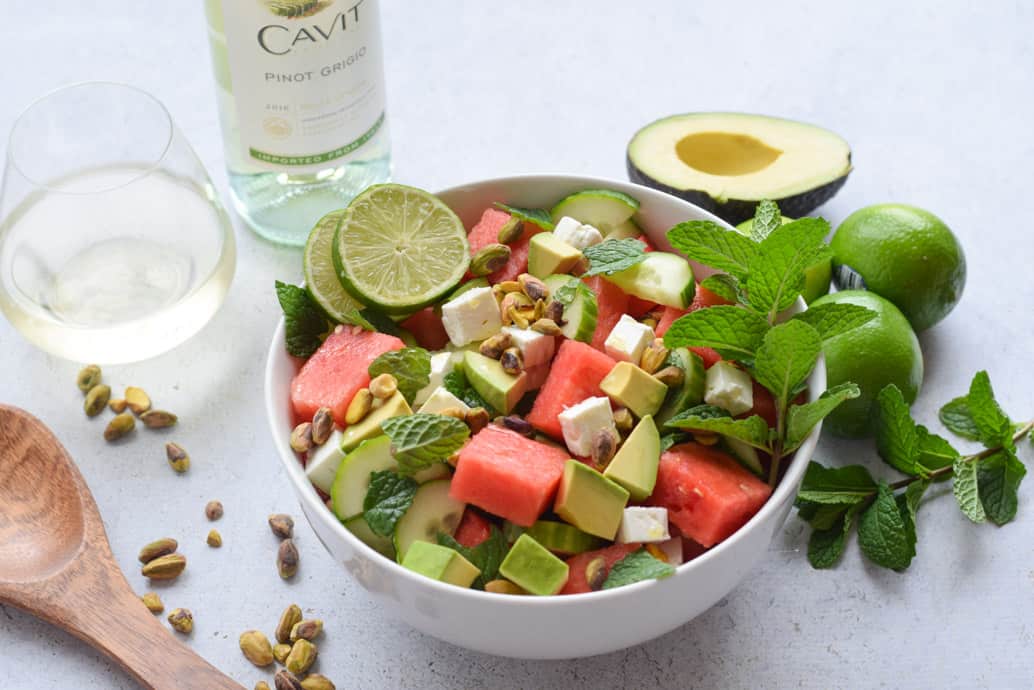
[(96, 400), (306, 630), (153, 602), (157, 548), (214, 539), (256, 648), (89, 376), (287, 559), (182, 621), (282, 525), (285, 680), (178, 458), (119, 426), (302, 657), (137, 400), (280, 652), (288, 619), (158, 419), (317, 681), (167, 567), (262, 685), (117, 405), (213, 510)]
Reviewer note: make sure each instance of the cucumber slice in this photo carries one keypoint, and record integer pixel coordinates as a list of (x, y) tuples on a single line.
[(745, 453), (661, 277), (512, 532), (603, 209), (626, 230), (433, 511), (580, 308), (691, 392), (382, 545), (562, 538), (353, 475)]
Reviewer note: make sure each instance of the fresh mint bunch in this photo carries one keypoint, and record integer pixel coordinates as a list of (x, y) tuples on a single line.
[(764, 276), (305, 325), (486, 556), (389, 497), (612, 256), (635, 567), (420, 440), (411, 367), (985, 484)]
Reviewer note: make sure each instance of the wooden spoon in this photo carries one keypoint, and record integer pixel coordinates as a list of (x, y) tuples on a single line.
[(55, 562)]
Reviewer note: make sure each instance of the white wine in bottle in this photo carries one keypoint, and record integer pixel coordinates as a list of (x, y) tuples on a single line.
[(300, 86)]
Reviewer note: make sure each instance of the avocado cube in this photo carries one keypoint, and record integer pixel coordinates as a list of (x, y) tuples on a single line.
[(631, 387), (370, 425), (635, 464), (440, 563), (532, 567), (548, 254), (590, 501), (499, 389)]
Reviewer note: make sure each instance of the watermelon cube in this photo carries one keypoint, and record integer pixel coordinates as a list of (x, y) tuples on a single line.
[(611, 303), (508, 475), (486, 232), (707, 493), (337, 370), (426, 326), (473, 528), (577, 579), (576, 374)]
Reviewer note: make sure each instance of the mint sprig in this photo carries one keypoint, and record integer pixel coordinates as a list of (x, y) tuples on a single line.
[(538, 216), (736, 333), (420, 440), (456, 383), (411, 367), (752, 430), (389, 497), (486, 556), (612, 256), (305, 326), (635, 567)]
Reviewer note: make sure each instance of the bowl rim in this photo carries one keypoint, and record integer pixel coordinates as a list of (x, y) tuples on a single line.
[(306, 492)]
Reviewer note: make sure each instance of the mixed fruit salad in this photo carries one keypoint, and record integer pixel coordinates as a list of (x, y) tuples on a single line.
[(527, 407)]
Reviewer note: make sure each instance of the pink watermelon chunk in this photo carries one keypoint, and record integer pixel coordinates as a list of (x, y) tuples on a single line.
[(508, 475), (670, 315), (487, 232), (707, 493), (577, 582), (473, 529), (331, 377), (426, 326), (577, 372), (611, 302)]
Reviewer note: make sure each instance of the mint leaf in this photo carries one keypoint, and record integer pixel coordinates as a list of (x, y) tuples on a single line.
[(456, 383), (998, 481), (752, 430), (411, 367), (486, 556), (612, 256), (831, 320), (389, 497), (420, 440), (766, 219), (776, 272), (673, 439), (801, 419), (967, 495), (723, 285), (994, 426), (883, 534), (380, 322), (843, 485), (538, 216), (736, 333), (566, 293), (305, 326), (897, 438), (821, 515), (934, 451), (826, 545), (636, 567), (713, 245), (956, 416), (913, 494), (787, 355)]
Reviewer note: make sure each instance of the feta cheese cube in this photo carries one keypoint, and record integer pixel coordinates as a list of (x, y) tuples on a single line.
[(472, 316), (536, 348), (643, 525), (322, 463), (582, 421), (440, 400), (728, 387), (441, 364), (578, 235), (628, 339)]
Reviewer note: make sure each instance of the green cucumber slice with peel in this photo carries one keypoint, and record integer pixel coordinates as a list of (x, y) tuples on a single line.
[(626, 230), (382, 545), (604, 209), (661, 277), (562, 538), (691, 392), (433, 511), (745, 453), (580, 308)]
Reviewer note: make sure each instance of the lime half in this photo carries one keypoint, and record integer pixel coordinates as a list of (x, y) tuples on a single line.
[(320, 275), (399, 248)]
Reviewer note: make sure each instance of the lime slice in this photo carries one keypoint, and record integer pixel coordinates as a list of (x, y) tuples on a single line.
[(320, 276), (399, 248)]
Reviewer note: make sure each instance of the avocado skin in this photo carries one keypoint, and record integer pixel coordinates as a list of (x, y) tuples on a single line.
[(735, 211)]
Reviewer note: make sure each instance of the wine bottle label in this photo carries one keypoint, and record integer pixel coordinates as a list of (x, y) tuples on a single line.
[(307, 79)]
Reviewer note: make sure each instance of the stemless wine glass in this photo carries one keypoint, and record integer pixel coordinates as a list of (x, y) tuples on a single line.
[(114, 246)]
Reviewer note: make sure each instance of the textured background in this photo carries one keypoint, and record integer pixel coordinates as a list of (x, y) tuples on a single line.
[(936, 101)]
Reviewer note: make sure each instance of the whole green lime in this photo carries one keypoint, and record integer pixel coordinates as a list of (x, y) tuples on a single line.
[(885, 350), (905, 254), (816, 278)]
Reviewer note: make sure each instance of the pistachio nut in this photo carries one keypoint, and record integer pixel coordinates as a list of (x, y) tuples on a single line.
[(280, 652), (604, 445), (493, 347), (512, 361), (96, 400), (670, 376), (256, 648), (623, 420), (519, 424), (508, 286), (282, 525), (383, 386), (285, 680), (291, 615), (89, 376), (477, 419), (511, 231), (182, 621), (522, 316), (546, 326), (653, 356), (657, 552), (213, 510), (262, 685), (534, 288), (158, 419), (705, 438), (596, 573), (555, 312), (510, 303), (301, 438), (153, 602), (119, 426), (317, 681), (360, 406), (287, 559), (650, 322), (322, 426), (167, 567), (306, 630), (117, 405), (489, 260), (302, 657), (503, 587), (454, 412), (137, 400), (178, 458), (214, 539), (157, 549)]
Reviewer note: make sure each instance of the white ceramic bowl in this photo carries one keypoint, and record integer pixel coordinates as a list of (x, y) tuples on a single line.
[(541, 627)]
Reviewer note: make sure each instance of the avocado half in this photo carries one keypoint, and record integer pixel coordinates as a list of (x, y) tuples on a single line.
[(727, 162)]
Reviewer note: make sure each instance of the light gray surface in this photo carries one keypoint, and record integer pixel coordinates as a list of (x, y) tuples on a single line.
[(935, 99)]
